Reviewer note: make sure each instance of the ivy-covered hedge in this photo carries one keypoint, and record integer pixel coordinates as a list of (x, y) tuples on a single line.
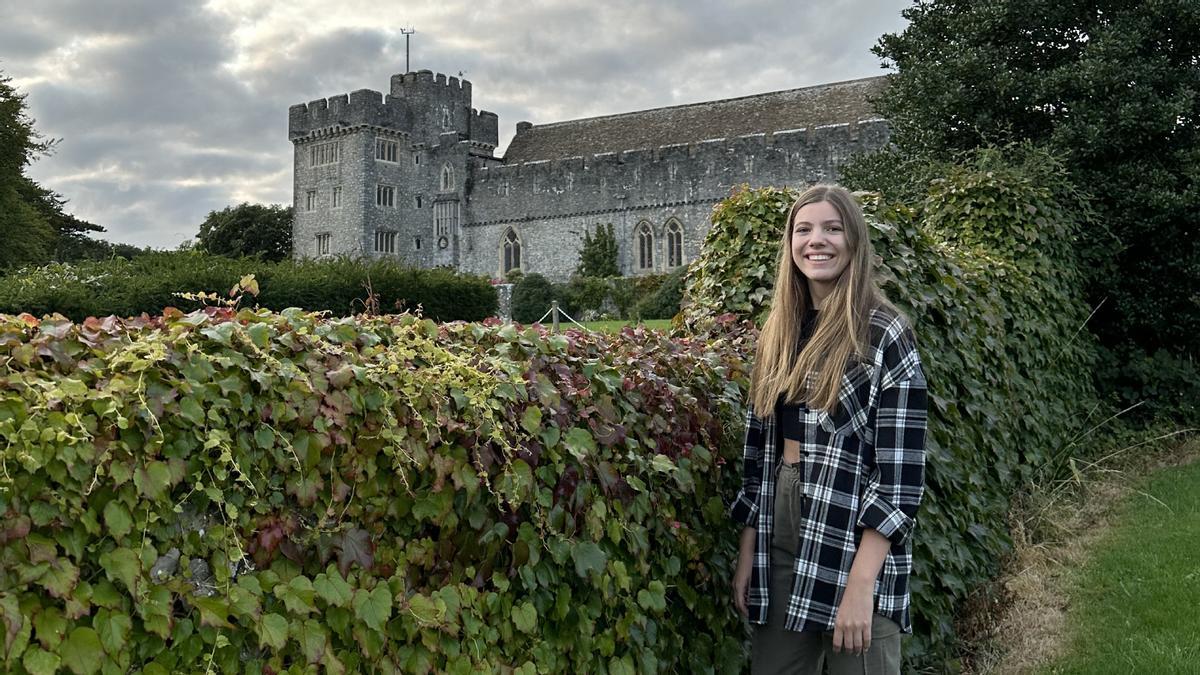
[(262, 492), (147, 283), (983, 264)]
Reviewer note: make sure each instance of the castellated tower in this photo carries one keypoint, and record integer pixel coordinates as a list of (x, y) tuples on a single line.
[(386, 175)]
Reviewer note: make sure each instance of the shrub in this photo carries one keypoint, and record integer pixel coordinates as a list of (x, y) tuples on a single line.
[(531, 298), (598, 255), (149, 283), (260, 492), (982, 263), (664, 301)]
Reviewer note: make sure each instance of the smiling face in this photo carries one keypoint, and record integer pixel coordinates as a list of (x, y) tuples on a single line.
[(820, 249)]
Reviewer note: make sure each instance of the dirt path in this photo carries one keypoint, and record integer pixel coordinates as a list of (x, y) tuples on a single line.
[(1018, 623)]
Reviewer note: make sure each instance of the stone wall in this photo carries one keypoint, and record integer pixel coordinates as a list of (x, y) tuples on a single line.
[(550, 203)]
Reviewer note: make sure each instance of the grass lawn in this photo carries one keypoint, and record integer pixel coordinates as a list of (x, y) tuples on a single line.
[(615, 326), (1134, 603)]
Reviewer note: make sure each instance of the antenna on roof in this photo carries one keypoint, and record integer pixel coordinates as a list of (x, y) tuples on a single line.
[(407, 32)]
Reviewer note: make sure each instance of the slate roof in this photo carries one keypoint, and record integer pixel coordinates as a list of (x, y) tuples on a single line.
[(834, 103)]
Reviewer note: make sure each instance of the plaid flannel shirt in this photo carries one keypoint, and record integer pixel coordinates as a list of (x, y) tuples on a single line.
[(864, 468)]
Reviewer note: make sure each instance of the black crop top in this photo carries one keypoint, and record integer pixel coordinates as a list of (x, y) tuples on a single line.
[(788, 414)]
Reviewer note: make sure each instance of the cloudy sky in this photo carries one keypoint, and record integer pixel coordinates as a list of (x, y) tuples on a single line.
[(168, 109)]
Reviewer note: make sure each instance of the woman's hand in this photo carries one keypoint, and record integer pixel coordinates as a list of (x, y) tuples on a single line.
[(741, 574), (852, 626)]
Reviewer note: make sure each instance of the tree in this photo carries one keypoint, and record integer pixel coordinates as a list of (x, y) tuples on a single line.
[(1111, 86), (27, 236), (598, 255), (248, 229)]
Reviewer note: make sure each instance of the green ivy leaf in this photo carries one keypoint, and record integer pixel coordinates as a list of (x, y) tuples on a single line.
[(333, 589), (531, 421), (40, 662), (653, 597), (117, 518), (273, 631), (374, 608), (190, 410), (580, 443), (589, 558), (311, 637), (81, 652), (114, 629), (525, 617), (122, 565), (153, 479)]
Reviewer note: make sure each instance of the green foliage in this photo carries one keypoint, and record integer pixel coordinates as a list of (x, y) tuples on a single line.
[(248, 230), (663, 302), (1110, 85), (531, 298), (414, 497), (149, 283), (983, 264), (598, 255), (735, 271)]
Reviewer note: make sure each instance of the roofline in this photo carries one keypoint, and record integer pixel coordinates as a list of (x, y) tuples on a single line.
[(707, 103)]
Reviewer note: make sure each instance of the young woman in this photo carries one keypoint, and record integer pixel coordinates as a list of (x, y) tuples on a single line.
[(834, 455)]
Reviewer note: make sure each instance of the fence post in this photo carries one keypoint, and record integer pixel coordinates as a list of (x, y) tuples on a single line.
[(554, 314)]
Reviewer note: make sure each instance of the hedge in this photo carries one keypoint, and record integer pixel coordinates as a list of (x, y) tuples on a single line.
[(148, 283), (270, 492), (982, 263)]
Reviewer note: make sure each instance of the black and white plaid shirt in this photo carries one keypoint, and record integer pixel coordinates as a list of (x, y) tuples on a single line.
[(864, 467)]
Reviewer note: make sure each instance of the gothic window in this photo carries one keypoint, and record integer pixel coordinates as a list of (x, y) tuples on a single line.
[(445, 218), (323, 244), (674, 243), (335, 197), (417, 201), (385, 150), (447, 182), (385, 242), (749, 164), (645, 246), (445, 117), (672, 171), (310, 200), (385, 195), (510, 253)]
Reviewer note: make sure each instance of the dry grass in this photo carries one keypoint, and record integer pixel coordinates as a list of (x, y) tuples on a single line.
[(1017, 624)]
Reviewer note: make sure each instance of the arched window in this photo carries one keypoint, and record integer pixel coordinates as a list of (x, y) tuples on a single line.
[(674, 243), (447, 183), (510, 252), (645, 246)]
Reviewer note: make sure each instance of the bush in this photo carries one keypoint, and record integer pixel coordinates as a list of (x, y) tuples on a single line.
[(259, 492), (148, 284), (982, 262), (664, 301), (531, 298)]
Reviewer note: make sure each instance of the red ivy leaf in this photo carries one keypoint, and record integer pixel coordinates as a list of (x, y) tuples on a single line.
[(355, 546)]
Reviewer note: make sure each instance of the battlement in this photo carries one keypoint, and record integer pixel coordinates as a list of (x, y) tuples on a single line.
[(803, 140), (427, 82), (362, 106)]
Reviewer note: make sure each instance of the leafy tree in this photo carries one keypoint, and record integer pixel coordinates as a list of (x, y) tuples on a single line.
[(27, 236), (1113, 87), (248, 229), (598, 255)]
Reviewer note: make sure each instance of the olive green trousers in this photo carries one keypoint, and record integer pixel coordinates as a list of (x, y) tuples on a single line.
[(778, 651)]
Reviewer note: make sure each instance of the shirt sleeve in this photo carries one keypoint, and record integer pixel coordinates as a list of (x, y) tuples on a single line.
[(745, 507), (894, 486)]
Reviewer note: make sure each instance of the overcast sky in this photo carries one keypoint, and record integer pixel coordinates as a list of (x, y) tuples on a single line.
[(169, 109)]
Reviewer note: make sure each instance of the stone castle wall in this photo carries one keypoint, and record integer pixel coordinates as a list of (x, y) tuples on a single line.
[(550, 203)]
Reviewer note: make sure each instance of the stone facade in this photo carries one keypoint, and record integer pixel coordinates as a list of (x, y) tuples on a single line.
[(416, 177)]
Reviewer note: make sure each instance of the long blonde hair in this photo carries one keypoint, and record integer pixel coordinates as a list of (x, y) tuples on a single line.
[(843, 324)]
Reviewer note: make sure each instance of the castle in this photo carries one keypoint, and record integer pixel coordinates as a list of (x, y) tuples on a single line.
[(412, 175)]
